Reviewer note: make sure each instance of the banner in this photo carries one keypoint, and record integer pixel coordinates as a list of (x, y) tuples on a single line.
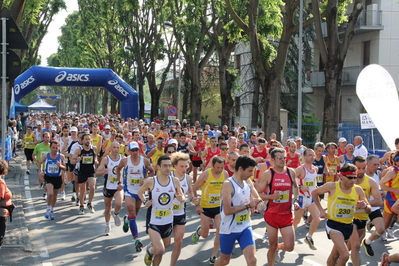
[(366, 122), (379, 96)]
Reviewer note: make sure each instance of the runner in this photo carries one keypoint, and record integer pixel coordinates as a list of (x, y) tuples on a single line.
[(360, 149), (283, 192), (163, 189), (344, 197), (180, 162), (111, 191), (348, 156), (231, 163), (156, 152), (332, 163), (341, 150), (40, 150), (238, 198), (307, 182), (210, 182), (135, 168), (68, 153), (54, 162), (29, 146), (210, 152), (199, 146), (86, 156)]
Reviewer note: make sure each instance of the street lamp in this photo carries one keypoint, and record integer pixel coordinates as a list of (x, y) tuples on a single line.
[(168, 24)]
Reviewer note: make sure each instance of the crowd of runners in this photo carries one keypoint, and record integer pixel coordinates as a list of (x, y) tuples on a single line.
[(228, 175)]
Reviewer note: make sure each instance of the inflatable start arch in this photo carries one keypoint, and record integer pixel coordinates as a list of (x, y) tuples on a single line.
[(37, 76)]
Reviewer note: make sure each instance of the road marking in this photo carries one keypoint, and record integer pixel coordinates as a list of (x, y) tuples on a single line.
[(47, 264), (311, 262), (31, 209)]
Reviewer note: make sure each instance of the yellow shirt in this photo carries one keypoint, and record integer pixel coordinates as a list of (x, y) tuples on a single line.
[(95, 141), (332, 166), (211, 190), (157, 154), (122, 150), (29, 141), (365, 185), (341, 206)]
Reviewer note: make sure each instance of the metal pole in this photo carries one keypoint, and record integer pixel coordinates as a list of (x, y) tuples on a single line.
[(300, 69), (179, 114), (4, 87), (372, 139)]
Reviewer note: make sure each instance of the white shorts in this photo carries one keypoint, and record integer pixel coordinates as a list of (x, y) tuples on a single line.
[(304, 201)]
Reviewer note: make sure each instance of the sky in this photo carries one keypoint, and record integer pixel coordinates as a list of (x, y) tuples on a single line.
[(49, 44)]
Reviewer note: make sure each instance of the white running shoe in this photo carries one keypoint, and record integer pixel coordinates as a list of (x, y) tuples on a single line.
[(390, 232), (107, 230), (117, 220), (63, 195)]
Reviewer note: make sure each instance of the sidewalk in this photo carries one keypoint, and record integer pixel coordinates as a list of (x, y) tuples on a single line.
[(17, 234)]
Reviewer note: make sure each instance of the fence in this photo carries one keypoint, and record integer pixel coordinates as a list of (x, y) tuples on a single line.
[(348, 131)]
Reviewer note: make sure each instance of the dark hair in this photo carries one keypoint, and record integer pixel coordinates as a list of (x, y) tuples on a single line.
[(276, 150), (54, 142), (213, 137), (331, 143), (162, 158), (305, 151), (182, 134), (84, 134), (396, 141), (360, 159), (243, 146), (245, 161), (218, 159), (165, 150), (3, 167), (348, 167)]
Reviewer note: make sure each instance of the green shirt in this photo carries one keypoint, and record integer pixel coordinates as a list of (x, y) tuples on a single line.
[(41, 149)]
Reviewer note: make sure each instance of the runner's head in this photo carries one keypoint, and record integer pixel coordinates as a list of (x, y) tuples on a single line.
[(46, 137), (54, 146), (309, 156), (278, 157), (114, 148), (331, 147), (218, 164), (360, 163), (180, 162), (348, 174), (164, 165), (244, 167), (233, 159), (85, 137)]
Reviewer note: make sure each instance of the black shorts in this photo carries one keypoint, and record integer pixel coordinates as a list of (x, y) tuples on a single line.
[(70, 167), (164, 230), (179, 220), (83, 177), (109, 193), (55, 181), (375, 214), (345, 229), (211, 212), (360, 224), (28, 154), (197, 163)]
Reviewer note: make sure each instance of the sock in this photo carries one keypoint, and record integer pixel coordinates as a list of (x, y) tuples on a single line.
[(133, 226), (116, 213), (368, 241), (107, 224), (150, 250), (309, 236), (51, 209)]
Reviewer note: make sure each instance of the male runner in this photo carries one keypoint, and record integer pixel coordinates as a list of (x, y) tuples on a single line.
[(40, 150)]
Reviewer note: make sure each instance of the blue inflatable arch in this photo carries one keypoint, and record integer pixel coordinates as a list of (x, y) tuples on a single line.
[(37, 76)]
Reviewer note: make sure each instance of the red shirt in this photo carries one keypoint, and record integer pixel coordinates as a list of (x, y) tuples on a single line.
[(340, 152), (199, 147), (295, 162), (257, 153), (283, 184), (210, 154), (226, 167)]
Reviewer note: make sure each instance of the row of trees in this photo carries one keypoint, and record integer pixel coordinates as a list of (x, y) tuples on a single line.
[(201, 32)]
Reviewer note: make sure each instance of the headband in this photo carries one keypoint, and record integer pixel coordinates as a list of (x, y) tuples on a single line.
[(348, 173)]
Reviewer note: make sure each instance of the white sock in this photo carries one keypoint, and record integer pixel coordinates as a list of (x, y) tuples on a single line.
[(368, 241)]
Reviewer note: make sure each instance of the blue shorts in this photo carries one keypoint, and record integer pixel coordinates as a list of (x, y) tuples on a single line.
[(127, 194), (245, 238)]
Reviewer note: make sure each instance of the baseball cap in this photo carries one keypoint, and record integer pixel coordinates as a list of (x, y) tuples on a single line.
[(172, 141), (39, 123), (53, 128), (298, 138), (107, 127), (133, 145), (342, 140), (74, 129)]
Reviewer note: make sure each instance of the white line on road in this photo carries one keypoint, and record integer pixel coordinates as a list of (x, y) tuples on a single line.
[(31, 209), (47, 264)]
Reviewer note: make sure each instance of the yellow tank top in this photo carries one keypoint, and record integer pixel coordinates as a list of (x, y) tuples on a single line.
[(211, 191), (156, 155), (365, 185), (122, 150), (341, 206), (333, 166), (95, 141), (108, 143), (29, 141)]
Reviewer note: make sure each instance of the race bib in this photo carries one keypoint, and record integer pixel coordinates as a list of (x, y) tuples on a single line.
[(283, 197), (52, 168), (333, 169), (177, 207), (159, 214), (113, 179), (87, 159), (214, 198), (344, 211), (134, 181), (29, 145), (319, 178), (240, 218), (309, 183)]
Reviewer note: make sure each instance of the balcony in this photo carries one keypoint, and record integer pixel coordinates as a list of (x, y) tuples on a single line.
[(369, 20), (349, 76)]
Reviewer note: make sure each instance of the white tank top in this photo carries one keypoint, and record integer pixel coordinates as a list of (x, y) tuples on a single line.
[(111, 181), (238, 222), (162, 201), (376, 177), (133, 175), (310, 181), (178, 207), (38, 135)]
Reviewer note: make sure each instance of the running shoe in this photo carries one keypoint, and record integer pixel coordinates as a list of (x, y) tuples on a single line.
[(148, 257), (309, 241), (367, 248), (212, 224), (77, 202), (47, 214), (138, 245), (212, 260), (384, 258), (91, 209), (117, 220), (369, 225), (125, 226), (44, 196), (195, 236), (390, 232), (305, 216), (63, 195), (73, 198), (265, 237), (384, 237), (52, 215), (307, 224), (107, 230), (277, 258), (81, 210), (27, 171)]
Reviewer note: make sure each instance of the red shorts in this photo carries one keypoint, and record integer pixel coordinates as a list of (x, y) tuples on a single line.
[(278, 220)]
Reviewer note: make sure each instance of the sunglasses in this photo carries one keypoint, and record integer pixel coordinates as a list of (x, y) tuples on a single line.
[(350, 177), (134, 149), (224, 149), (171, 151), (281, 157)]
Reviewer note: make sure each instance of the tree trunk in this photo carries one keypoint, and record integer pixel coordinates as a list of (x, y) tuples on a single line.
[(113, 104), (196, 97), (105, 101), (255, 105), (140, 79)]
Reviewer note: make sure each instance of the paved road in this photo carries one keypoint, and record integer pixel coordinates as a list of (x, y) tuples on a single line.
[(74, 239)]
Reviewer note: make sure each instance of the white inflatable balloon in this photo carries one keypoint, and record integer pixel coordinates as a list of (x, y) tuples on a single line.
[(377, 92)]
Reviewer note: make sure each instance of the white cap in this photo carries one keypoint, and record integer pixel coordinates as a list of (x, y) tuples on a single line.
[(107, 127), (74, 129), (298, 138), (133, 145), (53, 128), (290, 139), (342, 140), (172, 141), (38, 123)]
